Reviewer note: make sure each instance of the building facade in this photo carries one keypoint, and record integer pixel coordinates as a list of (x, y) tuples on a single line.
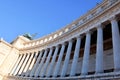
[(86, 49)]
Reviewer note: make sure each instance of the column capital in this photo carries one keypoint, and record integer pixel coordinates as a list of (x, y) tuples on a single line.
[(58, 45), (71, 40), (99, 26), (47, 49), (79, 36), (113, 18), (64, 43), (88, 32), (42, 51), (51, 47)]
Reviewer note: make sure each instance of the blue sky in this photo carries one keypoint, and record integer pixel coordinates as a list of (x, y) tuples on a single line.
[(39, 16)]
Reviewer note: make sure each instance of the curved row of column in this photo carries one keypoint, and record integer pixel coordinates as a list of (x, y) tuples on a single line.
[(40, 64)]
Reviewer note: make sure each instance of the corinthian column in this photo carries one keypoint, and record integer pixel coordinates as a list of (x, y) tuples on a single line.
[(76, 56), (52, 62), (19, 66), (99, 53), (85, 64), (27, 65), (116, 43), (32, 63), (37, 73), (67, 57), (25, 61), (57, 67), (46, 63), (36, 64), (16, 65)]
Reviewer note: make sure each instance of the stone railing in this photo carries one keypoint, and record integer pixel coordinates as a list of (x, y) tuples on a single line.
[(99, 9)]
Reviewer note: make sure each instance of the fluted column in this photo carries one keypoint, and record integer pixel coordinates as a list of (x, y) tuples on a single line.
[(76, 56), (85, 64), (27, 65), (99, 52), (57, 67), (25, 61), (67, 57), (52, 62), (16, 65), (36, 64), (21, 62), (37, 73), (116, 43), (43, 71), (32, 63)]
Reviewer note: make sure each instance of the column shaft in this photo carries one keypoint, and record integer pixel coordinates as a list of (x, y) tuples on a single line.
[(22, 67), (27, 65), (43, 71), (99, 53), (67, 57), (36, 64), (57, 67), (85, 64), (116, 43), (16, 65), (76, 56), (32, 63), (19, 66), (37, 73), (52, 62)]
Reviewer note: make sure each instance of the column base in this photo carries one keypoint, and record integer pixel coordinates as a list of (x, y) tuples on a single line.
[(99, 72), (83, 74), (116, 70)]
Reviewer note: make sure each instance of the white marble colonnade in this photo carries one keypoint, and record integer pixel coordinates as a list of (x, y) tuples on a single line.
[(39, 67)]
